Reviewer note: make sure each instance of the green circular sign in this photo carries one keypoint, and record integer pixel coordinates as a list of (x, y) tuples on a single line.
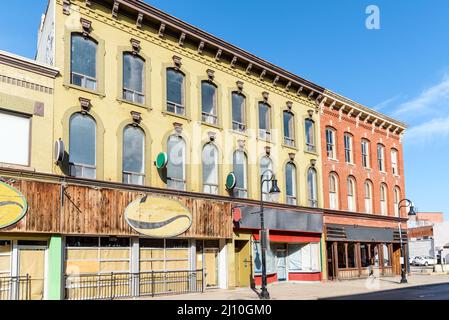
[(231, 181), (161, 160)]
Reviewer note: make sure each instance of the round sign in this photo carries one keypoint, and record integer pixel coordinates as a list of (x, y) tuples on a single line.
[(231, 181), (158, 217), (59, 151), (13, 205), (161, 160)]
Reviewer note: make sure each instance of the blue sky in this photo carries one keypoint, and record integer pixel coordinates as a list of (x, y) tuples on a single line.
[(401, 70)]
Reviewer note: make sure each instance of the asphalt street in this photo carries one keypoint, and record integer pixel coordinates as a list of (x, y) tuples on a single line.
[(425, 292)]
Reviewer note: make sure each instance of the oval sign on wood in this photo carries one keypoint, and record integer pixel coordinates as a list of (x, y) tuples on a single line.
[(13, 205), (158, 217)]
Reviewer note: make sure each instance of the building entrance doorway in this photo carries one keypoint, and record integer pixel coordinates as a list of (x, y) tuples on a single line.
[(243, 263), (281, 263)]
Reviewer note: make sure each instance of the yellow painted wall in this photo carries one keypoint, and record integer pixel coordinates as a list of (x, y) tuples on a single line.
[(16, 97), (116, 34)]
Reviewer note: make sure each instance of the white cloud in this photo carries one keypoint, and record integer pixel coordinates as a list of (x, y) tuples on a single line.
[(433, 130), (430, 100), (385, 103)]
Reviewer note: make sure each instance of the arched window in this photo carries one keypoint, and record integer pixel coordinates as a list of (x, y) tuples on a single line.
[(368, 197), (209, 102), (394, 161), (133, 78), (82, 148), (381, 157), (310, 135), (348, 141), (330, 143), (240, 168), (210, 169), (83, 62), (175, 92), (366, 154), (264, 121), (397, 199), (312, 191), (290, 180), (176, 171), (352, 205), (133, 155), (333, 191), (238, 112), (266, 164), (289, 129), (383, 199)]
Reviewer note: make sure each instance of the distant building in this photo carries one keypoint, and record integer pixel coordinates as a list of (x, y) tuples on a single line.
[(426, 219)]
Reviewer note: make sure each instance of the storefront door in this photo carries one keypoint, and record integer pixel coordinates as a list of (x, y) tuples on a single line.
[(211, 267), (243, 263), (32, 264), (281, 263)]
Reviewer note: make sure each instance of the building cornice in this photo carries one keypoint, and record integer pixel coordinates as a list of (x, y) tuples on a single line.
[(235, 56), (13, 60)]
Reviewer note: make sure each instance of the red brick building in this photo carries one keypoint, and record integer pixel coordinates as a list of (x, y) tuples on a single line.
[(363, 182)]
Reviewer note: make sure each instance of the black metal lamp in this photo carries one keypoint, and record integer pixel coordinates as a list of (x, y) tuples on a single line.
[(410, 213)]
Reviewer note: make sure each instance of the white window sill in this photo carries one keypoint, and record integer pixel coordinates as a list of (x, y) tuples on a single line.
[(16, 167)]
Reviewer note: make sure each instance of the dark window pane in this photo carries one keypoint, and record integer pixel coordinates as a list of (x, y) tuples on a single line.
[(175, 87), (113, 242), (364, 255), (238, 108), (175, 243), (133, 150), (240, 169), (82, 139), (84, 56), (87, 242), (290, 173), (264, 116), (288, 125), (351, 255), (341, 255), (151, 243)]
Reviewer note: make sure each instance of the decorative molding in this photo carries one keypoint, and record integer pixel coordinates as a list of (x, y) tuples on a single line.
[(262, 74), (85, 105), (357, 120), (136, 117), (218, 55), (88, 3), (201, 47), (292, 156), (28, 65), (268, 151), (249, 68), (310, 95), (276, 80), (161, 30), (234, 62), (210, 74), (241, 144), (178, 127), (313, 162), (66, 7), (332, 106), (288, 86), (212, 136), (289, 105), (298, 93), (265, 96), (340, 113), (139, 20), (39, 109), (182, 38), (87, 26), (310, 112), (135, 44), (240, 86), (177, 62), (25, 84), (115, 9)]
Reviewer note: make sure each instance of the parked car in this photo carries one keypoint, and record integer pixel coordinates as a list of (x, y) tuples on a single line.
[(424, 261), (411, 260)]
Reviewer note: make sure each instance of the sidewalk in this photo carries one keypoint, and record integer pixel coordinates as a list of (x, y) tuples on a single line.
[(313, 290)]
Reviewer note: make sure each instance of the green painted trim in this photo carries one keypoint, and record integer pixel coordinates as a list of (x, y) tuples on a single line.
[(55, 271)]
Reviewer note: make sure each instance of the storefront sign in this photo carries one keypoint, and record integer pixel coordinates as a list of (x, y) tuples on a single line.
[(13, 205), (158, 217), (358, 233)]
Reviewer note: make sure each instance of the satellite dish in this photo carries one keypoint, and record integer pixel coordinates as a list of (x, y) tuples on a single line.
[(231, 181), (161, 160), (59, 151)]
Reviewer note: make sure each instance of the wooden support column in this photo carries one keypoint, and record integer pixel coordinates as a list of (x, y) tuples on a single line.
[(359, 258)]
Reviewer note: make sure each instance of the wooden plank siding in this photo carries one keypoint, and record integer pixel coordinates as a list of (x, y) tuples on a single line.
[(87, 210)]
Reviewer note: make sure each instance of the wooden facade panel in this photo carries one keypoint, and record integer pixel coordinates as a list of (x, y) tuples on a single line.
[(100, 211)]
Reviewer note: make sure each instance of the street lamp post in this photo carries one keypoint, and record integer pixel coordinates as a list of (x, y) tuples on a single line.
[(410, 213), (274, 192)]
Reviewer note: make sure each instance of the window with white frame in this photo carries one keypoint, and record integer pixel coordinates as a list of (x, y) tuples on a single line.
[(348, 148), (397, 199), (15, 141), (383, 199), (133, 155), (394, 161), (381, 157), (176, 170), (209, 102), (83, 61), (238, 112), (330, 143), (290, 180), (289, 129), (312, 191), (133, 78), (310, 135), (175, 92), (240, 169), (82, 146), (304, 257), (365, 154), (333, 191), (352, 206), (368, 186), (264, 121), (210, 169), (266, 164)]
